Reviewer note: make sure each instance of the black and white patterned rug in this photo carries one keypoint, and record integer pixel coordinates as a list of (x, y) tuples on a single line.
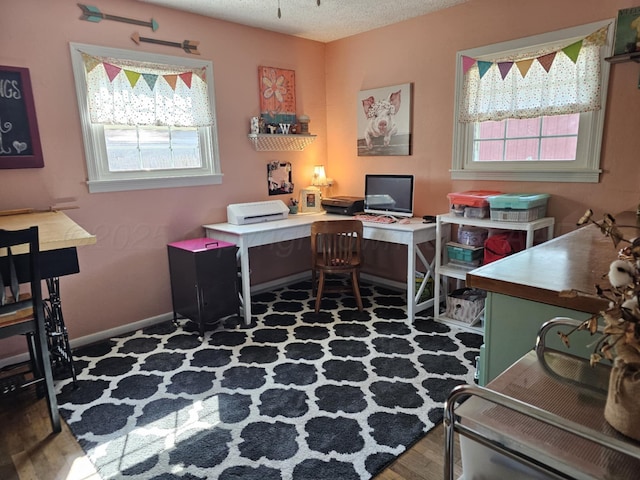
[(295, 396)]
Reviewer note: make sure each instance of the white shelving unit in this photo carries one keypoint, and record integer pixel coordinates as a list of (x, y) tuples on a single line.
[(445, 270)]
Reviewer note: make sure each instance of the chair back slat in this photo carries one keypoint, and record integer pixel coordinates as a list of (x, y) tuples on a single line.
[(336, 243)]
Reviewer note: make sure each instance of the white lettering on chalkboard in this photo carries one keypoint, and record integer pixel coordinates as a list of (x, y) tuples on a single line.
[(5, 128), (10, 89)]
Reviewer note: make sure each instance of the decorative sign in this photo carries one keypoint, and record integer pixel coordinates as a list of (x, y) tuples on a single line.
[(19, 137), (277, 95)]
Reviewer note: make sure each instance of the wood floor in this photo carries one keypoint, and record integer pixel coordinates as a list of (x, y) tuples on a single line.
[(29, 451)]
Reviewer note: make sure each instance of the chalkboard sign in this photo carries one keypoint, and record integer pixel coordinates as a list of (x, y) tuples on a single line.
[(19, 137)]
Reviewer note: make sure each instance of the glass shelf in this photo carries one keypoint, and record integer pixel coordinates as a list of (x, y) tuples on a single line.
[(265, 142)]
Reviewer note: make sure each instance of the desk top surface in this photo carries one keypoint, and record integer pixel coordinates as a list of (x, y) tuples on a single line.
[(55, 229), (303, 219), (577, 260)]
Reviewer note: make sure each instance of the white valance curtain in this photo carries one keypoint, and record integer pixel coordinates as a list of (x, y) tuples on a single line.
[(545, 82), (122, 92)]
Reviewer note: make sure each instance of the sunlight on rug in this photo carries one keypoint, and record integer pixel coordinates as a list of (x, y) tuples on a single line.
[(295, 396)]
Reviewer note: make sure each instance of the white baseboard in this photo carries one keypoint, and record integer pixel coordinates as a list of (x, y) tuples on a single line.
[(97, 337)]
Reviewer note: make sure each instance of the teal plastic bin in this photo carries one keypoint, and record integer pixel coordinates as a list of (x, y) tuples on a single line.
[(518, 207)]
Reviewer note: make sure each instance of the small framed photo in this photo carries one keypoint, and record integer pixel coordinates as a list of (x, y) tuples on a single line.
[(310, 200)]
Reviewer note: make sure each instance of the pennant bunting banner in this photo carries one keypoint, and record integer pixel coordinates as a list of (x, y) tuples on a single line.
[(150, 79), (572, 51)]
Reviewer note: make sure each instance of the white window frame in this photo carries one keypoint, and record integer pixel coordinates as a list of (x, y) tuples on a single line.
[(100, 179), (586, 167)]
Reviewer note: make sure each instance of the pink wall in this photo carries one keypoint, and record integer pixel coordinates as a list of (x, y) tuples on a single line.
[(423, 51), (124, 277)]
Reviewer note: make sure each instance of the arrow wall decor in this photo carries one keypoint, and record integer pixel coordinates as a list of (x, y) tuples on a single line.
[(189, 46), (93, 14)]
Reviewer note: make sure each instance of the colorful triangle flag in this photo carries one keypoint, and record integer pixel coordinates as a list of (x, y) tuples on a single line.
[(132, 77), (599, 37), (524, 66), (186, 78), (483, 67), (572, 51), (504, 67), (467, 63), (547, 60), (171, 80), (90, 62), (150, 79), (112, 70)]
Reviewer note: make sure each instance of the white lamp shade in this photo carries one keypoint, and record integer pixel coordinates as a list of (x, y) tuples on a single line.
[(319, 176)]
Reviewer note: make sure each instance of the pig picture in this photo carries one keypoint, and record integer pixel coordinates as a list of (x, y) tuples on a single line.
[(381, 116), (384, 121)]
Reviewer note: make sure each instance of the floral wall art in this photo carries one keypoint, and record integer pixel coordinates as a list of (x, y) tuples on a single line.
[(277, 95)]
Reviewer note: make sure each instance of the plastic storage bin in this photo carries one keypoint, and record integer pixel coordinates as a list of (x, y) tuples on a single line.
[(471, 204), (464, 254), (518, 207), (473, 236)]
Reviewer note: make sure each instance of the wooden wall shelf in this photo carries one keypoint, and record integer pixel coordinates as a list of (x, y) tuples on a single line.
[(624, 57), (264, 142)]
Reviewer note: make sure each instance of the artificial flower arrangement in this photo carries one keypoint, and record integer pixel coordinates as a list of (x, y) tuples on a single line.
[(620, 342)]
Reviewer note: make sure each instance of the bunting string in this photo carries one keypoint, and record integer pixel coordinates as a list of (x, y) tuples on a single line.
[(553, 81), (123, 92), (597, 38)]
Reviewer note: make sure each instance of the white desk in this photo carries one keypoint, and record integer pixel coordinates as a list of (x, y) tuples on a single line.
[(299, 226)]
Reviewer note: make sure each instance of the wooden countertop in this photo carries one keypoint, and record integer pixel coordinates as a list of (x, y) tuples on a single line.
[(55, 229), (577, 260)]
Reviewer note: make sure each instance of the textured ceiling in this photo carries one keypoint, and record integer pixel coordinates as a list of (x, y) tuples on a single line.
[(332, 20)]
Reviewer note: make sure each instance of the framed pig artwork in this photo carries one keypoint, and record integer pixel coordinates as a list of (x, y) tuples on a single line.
[(384, 121)]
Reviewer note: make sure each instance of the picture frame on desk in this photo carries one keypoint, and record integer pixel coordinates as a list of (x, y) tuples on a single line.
[(19, 136), (310, 200)]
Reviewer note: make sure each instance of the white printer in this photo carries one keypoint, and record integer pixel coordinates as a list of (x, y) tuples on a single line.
[(256, 212)]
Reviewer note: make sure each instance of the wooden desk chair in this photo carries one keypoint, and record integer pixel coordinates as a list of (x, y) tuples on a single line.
[(336, 248), (22, 313)]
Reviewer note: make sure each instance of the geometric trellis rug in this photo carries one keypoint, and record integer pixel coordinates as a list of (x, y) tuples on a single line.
[(295, 396)]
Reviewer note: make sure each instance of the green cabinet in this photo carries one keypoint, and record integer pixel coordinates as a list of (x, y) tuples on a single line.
[(511, 327)]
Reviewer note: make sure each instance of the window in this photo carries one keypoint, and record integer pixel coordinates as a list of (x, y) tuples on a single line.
[(533, 109), (148, 121)]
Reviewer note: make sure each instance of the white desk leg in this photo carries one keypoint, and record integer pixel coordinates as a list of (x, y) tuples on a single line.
[(245, 272), (411, 281)]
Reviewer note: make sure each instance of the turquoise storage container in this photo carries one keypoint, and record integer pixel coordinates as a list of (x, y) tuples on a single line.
[(518, 207)]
